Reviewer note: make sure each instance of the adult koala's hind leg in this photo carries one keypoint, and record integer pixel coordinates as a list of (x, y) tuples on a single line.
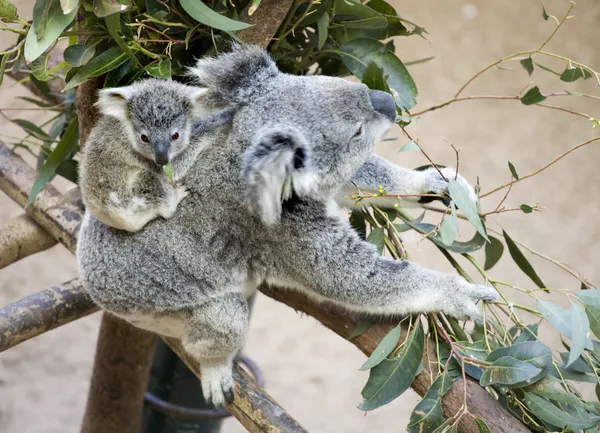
[(214, 333)]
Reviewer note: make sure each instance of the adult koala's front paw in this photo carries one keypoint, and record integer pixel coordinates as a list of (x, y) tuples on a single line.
[(434, 184), (461, 297)]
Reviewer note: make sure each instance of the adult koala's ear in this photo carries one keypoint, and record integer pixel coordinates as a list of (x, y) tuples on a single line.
[(233, 77), (276, 166), (113, 101)]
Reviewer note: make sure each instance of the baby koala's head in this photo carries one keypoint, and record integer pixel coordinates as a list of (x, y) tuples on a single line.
[(158, 115)]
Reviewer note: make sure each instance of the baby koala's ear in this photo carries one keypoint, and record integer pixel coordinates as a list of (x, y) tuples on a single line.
[(276, 166), (198, 98), (113, 101)]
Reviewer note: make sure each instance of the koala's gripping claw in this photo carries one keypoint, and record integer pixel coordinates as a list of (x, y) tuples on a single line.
[(461, 298), (435, 184), (217, 384)]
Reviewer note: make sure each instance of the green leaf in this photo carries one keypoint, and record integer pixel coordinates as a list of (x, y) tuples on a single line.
[(509, 372), (322, 29), (533, 352), (376, 237), (358, 53), (549, 413), (411, 146), (580, 328), (78, 55), (529, 333), (104, 8), (345, 9), (168, 170), (574, 73), (32, 129), (533, 96), (513, 170), (3, 66), (65, 147), (101, 64), (527, 65), (568, 374), (482, 426), (161, 69), (113, 25), (39, 67), (591, 301), (560, 319), (493, 252), (427, 415), (363, 326), (579, 365), (522, 262), (526, 208), (205, 15), (448, 229), (552, 389), (374, 78), (462, 200), (383, 349), (68, 6), (392, 377), (54, 23), (8, 11), (544, 13)]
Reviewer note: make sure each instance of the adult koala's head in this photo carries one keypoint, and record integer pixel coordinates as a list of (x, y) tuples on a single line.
[(322, 127)]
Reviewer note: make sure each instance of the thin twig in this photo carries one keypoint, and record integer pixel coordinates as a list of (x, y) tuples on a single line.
[(423, 152)]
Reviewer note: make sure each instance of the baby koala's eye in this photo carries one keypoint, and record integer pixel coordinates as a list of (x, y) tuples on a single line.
[(175, 136), (359, 131), (144, 138)]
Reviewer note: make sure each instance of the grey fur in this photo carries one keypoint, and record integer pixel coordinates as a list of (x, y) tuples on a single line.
[(121, 183), (189, 276)]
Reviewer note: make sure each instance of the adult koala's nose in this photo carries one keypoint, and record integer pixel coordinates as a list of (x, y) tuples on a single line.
[(384, 103)]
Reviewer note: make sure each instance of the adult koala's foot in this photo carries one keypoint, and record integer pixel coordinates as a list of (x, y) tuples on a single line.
[(217, 384), (433, 183)]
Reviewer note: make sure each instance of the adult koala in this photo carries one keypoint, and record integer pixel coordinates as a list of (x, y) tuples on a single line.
[(189, 277)]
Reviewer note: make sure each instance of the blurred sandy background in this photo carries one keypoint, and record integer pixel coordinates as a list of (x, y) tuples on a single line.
[(310, 371)]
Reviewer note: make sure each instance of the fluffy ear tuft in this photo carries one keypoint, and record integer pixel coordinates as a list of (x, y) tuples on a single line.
[(234, 76), (113, 101), (276, 166), (198, 98)]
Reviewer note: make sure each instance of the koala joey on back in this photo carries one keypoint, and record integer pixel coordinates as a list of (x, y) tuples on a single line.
[(189, 276), (143, 127)]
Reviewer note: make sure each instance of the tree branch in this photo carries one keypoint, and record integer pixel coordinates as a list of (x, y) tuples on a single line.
[(266, 21)]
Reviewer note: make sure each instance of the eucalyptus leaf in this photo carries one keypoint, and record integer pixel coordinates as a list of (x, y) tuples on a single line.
[(533, 96), (3, 66), (461, 198), (427, 415), (591, 301), (322, 29), (374, 78), (358, 53), (546, 411), (579, 365), (562, 372), (522, 262), (580, 328), (8, 11), (533, 352), (65, 147), (411, 146), (39, 67), (493, 252), (513, 170), (377, 238), (544, 13), (392, 377), (161, 69), (529, 333), (482, 426), (205, 15), (68, 6), (509, 372), (363, 325), (32, 128), (78, 54), (383, 349), (54, 23), (101, 64), (104, 8), (526, 208), (448, 229), (574, 73), (527, 65), (113, 25), (547, 69), (552, 389)]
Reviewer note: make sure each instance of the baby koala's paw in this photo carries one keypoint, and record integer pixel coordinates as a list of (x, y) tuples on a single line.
[(435, 184), (182, 192)]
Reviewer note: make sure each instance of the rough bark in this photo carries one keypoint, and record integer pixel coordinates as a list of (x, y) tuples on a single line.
[(265, 20)]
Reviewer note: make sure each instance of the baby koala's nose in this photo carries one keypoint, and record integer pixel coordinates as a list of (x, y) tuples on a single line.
[(383, 103), (161, 155)]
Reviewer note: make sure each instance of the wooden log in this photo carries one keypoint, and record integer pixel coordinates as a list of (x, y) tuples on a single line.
[(42, 312), (252, 406)]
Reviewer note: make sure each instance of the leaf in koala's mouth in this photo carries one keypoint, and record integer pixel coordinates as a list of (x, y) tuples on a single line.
[(168, 170)]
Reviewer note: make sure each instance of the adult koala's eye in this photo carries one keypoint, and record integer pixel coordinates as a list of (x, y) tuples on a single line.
[(175, 136), (359, 131), (144, 138)]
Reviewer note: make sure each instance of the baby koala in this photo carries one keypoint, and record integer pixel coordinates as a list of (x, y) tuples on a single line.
[(144, 126)]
